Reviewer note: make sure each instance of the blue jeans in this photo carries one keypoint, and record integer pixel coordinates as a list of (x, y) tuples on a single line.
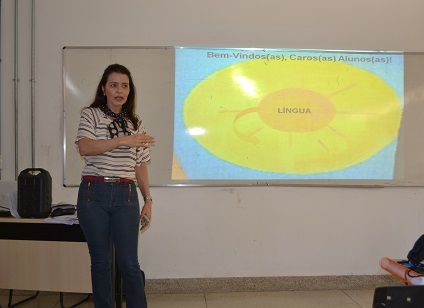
[(111, 211)]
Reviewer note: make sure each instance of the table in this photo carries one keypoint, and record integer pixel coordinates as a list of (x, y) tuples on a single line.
[(59, 253)]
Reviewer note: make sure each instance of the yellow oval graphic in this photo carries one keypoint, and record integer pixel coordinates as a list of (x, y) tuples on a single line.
[(299, 117)]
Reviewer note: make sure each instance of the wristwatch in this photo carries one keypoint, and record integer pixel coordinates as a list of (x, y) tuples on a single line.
[(148, 198)]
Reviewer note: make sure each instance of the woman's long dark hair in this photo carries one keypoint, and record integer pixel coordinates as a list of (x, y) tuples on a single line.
[(129, 106)]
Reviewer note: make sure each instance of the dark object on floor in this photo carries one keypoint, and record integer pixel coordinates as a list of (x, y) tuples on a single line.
[(399, 297)]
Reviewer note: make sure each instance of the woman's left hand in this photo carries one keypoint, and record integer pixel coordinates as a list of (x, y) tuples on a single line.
[(147, 210)]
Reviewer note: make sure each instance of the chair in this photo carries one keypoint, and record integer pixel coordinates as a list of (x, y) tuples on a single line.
[(399, 297)]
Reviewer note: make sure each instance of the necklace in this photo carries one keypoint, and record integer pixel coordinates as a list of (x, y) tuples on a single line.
[(118, 121)]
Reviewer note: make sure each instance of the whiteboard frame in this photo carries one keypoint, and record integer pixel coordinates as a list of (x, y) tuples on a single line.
[(164, 145)]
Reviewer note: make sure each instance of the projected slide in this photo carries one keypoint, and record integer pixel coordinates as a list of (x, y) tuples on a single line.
[(258, 114)]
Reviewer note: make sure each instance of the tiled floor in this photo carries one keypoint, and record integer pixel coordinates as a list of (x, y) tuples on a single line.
[(286, 299)]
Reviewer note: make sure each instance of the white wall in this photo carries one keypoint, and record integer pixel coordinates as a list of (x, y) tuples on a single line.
[(222, 231)]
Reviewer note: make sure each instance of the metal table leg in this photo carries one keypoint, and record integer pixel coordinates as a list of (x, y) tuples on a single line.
[(21, 302)]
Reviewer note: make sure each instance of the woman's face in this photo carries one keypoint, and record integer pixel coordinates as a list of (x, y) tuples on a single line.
[(116, 90)]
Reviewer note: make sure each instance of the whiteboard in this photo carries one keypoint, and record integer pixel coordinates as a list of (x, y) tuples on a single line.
[(153, 70)]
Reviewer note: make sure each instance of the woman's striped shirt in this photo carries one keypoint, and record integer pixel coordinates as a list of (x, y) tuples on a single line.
[(119, 162)]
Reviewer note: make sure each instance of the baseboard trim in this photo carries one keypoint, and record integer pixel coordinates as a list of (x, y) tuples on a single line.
[(268, 284), (259, 284)]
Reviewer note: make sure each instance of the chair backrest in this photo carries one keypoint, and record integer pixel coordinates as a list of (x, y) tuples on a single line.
[(399, 297)]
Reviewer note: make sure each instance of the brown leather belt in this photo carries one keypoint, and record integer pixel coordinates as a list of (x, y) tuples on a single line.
[(106, 179)]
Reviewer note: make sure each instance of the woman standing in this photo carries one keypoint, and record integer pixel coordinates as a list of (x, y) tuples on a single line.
[(115, 146)]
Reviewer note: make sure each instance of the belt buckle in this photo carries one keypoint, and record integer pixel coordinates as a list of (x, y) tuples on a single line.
[(111, 180)]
